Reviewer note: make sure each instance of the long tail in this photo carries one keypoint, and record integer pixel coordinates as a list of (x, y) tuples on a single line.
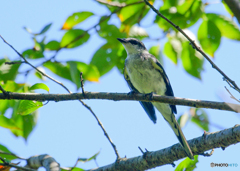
[(170, 118)]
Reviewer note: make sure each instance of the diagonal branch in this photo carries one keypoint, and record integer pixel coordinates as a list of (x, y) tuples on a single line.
[(225, 77), (123, 96), (61, 84), (199, 145)]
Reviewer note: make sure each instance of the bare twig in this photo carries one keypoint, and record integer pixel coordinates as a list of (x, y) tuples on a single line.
[(232, 95), (82, 84), (105, 132), (124, 96), (141, 150), (99, 123), (231, 82), (7, 164), (5, 93), (16, 62)]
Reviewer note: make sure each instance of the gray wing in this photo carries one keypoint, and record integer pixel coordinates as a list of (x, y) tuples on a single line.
[(147, 106), (169, 91)]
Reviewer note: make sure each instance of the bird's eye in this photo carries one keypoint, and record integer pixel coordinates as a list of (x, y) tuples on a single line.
[(134, 42)]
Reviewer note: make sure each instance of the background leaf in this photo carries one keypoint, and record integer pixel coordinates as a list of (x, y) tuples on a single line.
[(75, 19), (27, 106), (74, 38)]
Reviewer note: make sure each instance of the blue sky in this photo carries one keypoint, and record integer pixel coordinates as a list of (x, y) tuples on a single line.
[(66, 130)]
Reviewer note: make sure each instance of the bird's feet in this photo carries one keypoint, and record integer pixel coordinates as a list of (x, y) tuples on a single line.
[(149, 95)]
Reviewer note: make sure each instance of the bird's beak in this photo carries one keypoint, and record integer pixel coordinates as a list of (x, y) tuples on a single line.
[(122, 40)]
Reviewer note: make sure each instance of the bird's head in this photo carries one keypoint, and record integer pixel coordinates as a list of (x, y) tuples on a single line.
[(132, 45)]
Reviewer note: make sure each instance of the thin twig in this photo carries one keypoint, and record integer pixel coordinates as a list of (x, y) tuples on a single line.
[(4, 91), (14, 62), (232, 95), (231, 82), (105, 132), (7, 164), (82, 84), (89, 108), (141, 150)]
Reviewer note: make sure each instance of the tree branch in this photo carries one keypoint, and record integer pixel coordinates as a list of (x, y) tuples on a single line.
[(208, 141), (122, 96), (226, 78), (46, 161), (234, 5)]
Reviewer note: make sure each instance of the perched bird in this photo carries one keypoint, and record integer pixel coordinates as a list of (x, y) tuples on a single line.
[(144, 74)]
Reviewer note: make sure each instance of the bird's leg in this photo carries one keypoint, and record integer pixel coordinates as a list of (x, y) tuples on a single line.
[(149, 95)]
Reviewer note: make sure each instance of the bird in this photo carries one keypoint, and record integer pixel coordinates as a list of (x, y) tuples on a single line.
[(144, 74)]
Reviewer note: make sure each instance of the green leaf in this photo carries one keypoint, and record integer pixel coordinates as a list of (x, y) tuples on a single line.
[(183, 14), (27, 106), (228, 28), (110, 33), (155, 51), (32, 54), (89, 159), (58, 69), (8, 72), (39, 86), (187, 164), (45, 29), (104, 59), (209, 37), (130, 15), (172, 49), (183, 119), (7, 123), (77, 169), (25, 122), (90, 71), (5, 156), (28, 30), (29, 122), (192, 61), (75, 19), (200, 118), (73, 38), (72, 70), (52, 45)]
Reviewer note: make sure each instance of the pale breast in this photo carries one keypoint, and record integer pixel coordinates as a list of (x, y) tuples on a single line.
[(144, 77)]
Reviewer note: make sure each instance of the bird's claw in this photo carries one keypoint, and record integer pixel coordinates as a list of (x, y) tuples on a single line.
[(149, 95)]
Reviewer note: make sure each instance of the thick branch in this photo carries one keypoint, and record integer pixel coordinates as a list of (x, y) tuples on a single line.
[(122, 96), (208, 141), (234, 5), (46, 161)]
